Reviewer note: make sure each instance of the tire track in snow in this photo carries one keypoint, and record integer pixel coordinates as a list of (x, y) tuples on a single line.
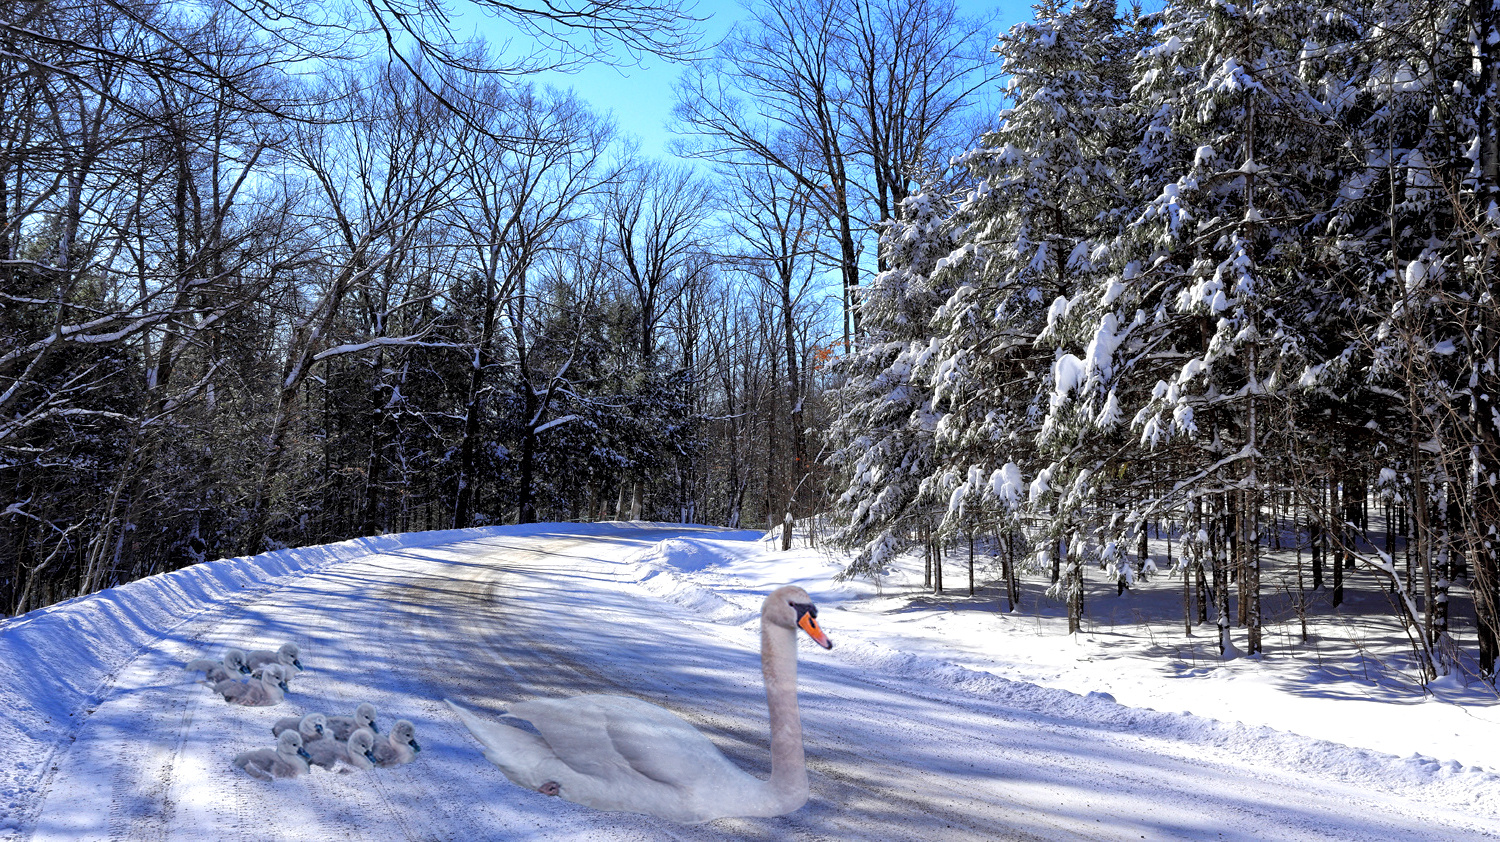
[(140, 781)]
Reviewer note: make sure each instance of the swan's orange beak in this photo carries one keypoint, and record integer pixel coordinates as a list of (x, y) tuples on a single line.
[(809, 624)]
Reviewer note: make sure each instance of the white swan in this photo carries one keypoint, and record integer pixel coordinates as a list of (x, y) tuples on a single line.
[(343, 726), (287, 760), (286, 654), (311, 726), (618, 753), (233, 663), (399, 747)]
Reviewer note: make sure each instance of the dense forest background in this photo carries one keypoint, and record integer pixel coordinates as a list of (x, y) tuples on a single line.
[(272, 279), (1216, 273)]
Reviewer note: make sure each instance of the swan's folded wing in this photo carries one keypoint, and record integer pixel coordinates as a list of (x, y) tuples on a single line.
[(662, 746), (607, 735), (577, 733)]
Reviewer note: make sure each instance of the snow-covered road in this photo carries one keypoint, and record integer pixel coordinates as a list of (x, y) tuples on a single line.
[(516, 614)]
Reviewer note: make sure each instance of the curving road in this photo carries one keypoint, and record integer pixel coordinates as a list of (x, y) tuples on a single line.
[(509, 617)]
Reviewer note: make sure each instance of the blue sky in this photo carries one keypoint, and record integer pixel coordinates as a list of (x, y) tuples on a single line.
[(640, 98)]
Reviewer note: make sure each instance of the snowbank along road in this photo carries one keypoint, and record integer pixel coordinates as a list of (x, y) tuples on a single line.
[(512, 614)]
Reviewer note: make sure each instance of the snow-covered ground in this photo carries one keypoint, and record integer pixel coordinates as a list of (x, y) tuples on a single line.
[(930, 719)]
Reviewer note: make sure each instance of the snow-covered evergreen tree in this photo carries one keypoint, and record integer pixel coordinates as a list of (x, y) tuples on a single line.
[(884, 432)]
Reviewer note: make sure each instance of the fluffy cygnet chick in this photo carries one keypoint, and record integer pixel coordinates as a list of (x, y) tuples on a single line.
[(357, 753), (343, 726), (399, 747), (232, 663), (262, 691), (311, 727), (286, 655), (287, 760), (280, 672), (360, 750), (215, 674)]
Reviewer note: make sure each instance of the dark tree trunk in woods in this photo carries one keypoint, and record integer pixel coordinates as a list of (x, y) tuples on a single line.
[(937, 563), (468, 454), (1074, 585), (971, 564), (1336, 539), (1008, 571), (1316, 540)]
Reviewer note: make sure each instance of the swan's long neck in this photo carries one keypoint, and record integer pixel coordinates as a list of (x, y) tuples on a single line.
[(778, 662)]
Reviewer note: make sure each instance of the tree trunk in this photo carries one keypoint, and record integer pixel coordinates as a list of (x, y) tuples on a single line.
[(971, 563), (1336, 538)]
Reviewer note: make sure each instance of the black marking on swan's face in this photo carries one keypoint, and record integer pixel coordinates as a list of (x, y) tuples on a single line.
[(807, 620)]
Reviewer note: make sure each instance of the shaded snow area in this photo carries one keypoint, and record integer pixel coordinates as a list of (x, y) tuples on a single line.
[(932, 718)]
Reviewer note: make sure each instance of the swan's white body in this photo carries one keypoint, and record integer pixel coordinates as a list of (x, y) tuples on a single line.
[(620, 753)]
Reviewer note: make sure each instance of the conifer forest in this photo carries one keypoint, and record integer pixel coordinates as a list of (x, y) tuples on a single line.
[(1206, 292)]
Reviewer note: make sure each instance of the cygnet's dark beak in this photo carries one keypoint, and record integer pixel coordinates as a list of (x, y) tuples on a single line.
[(244, 670), (303, 752), (414, 744), (374, 727), (319, 727), (298, 664), (370, 753)]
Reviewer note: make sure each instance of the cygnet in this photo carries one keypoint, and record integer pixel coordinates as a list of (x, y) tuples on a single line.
[(360, 750), (261, 691), (215, 674), (280, 672), (343, 726), (287, 655), (232, 663), (312, 726), (398, 748), (357, 752), (287, 760)]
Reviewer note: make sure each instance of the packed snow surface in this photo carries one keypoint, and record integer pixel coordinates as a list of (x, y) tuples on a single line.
[(927, 721)]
